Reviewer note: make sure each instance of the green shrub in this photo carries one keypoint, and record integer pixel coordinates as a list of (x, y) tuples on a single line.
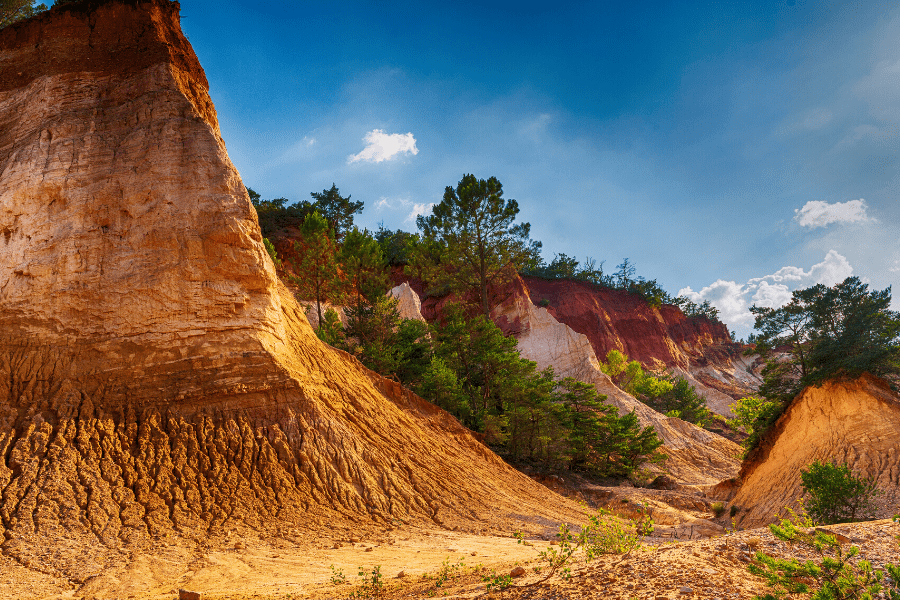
[(836, 575), (835, 494), (718, 509)]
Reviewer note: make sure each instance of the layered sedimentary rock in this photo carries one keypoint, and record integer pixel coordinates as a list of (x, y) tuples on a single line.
[(696, 457), (855, 423), (155, 376), (698, 349)]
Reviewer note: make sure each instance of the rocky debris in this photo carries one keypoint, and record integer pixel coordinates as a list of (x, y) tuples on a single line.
[(696, 457), (517, 572), (856, 423), (157, 381), (408, 304), (186, 595)]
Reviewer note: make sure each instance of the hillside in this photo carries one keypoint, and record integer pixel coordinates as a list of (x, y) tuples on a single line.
[(856, 423), (158, 381)]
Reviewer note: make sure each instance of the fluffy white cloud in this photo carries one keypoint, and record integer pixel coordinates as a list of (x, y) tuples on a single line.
[(415, 208), (419, 209), (816, 213), (381, 146), (734, 300), (727, 296)]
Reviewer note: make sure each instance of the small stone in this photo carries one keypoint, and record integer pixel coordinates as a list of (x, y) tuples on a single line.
[(240, 545), (517, 572), (187, 595), (354, 540), (473, 553), (401, 574), (685, 590), (370, 549), (336, 545)]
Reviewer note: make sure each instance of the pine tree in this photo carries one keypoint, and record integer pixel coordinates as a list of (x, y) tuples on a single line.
[(316, 269)]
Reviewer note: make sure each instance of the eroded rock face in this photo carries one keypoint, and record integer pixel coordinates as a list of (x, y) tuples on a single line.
[(696, 457), (856, 423), (155, 376), (698, 349), (408, 304)]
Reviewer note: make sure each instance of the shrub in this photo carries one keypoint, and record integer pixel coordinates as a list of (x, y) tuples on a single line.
[(718, 509), (837, 575), (835, 494)]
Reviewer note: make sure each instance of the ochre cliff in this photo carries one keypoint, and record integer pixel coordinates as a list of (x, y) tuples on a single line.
[(155, 376), (856, 423), (696, 457), (696, 348)]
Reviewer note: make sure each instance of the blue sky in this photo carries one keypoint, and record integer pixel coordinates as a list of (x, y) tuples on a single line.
[(732, 150)]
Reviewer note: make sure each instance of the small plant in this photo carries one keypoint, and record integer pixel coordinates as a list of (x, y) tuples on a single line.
[(838, 574), (372, 585), (605, 534), (836, 495), (337, 576), (718, 509), (448, 571), (497, 582), (733, 510), (544, 303)]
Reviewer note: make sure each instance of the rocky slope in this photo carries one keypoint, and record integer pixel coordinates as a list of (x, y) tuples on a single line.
[(856, 423), (155, 376), (696, 457), (698, 349)]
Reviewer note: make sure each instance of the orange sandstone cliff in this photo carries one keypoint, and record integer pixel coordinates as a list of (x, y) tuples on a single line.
[(855, 423), (155, 376)]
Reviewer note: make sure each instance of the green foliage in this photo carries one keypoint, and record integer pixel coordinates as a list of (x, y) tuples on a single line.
[(477, 375), (754, 415), (395, 245), (673, 396), (316, 271), (331, 330), (363, 263), (718, 509), (836, 495), (12, 11), (337, 576), (836, 574), (474, 243), (270, 248), (279, 213), (821, 333), (845, 329), (606, 534), (336, 209), (394, 347), (372, 583), (276, 214)]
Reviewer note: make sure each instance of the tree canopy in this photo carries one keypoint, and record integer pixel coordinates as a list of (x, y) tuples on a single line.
[(478, 245), (337, 210), (842, 330), (12, 11)]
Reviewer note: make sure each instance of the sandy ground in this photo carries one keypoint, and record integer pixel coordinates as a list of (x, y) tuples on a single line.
[(412, 562)]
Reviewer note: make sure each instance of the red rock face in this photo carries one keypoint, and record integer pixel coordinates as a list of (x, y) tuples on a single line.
[(617, 320)]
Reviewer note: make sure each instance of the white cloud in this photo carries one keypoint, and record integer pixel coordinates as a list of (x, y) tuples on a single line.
[(381, 146), (419, 209), (772, 291), (771, 295), (816, 213), (415, 208), (727, 296), (896, 267)]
